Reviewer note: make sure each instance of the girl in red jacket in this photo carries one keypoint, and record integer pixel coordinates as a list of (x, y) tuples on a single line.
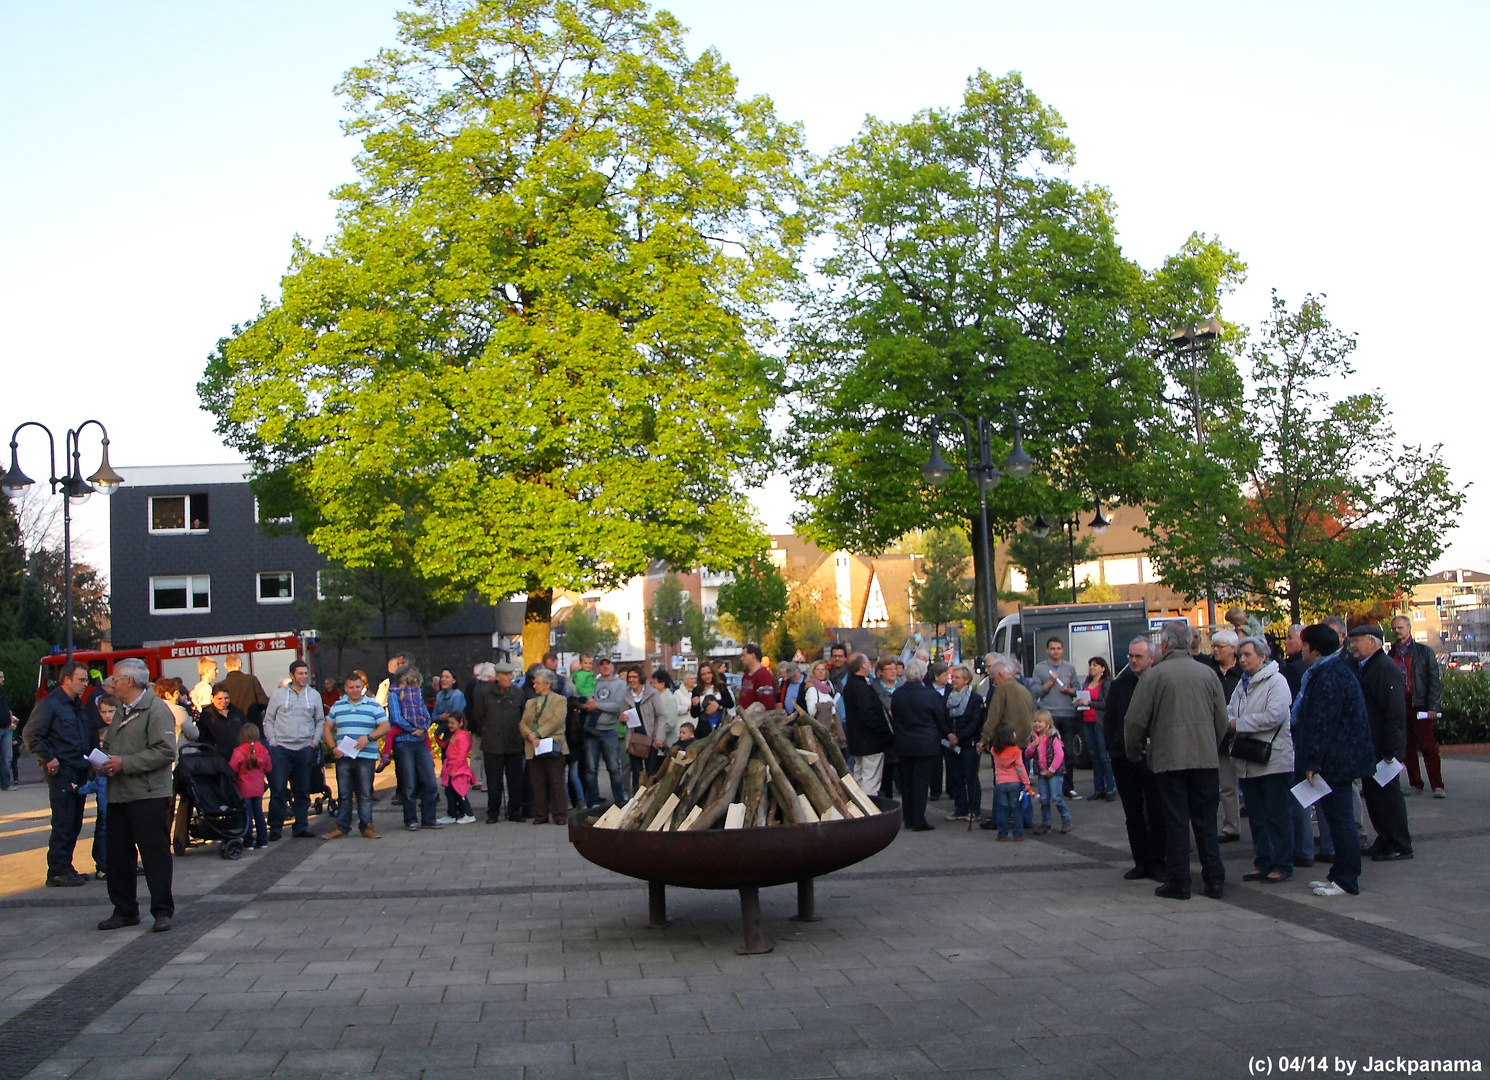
[(1009, 779), (250, 763)]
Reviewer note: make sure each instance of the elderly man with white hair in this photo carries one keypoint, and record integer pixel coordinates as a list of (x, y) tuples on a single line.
[(141, 748), (1176, 720)]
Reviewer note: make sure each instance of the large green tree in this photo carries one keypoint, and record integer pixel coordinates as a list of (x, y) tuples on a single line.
[(969, 272), (941, 594), (666, 617), (563, 225), (1046, 563), (757, 597), (1302, 500)]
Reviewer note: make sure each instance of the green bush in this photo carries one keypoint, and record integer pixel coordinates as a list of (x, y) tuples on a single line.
[(1465, 707), (20, 659)]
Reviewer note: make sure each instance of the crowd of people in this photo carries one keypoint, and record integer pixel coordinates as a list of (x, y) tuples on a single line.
[(1189, 742)]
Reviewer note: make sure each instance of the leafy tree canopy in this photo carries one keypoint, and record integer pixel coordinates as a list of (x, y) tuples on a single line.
[(942, 595), (1045, 562), (1302, 500), (969, 273), (562, 225), (757, 598)]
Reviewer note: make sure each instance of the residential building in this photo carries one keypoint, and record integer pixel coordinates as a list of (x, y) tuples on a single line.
[(1450, 610)]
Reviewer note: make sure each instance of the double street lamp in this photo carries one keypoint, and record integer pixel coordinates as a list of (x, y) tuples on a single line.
[(987, 476), (73, 486)]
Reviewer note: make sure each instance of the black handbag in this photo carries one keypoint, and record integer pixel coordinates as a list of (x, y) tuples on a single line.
[(1254, 751)]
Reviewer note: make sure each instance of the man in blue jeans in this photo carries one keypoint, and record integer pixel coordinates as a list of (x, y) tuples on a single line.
[(292, 723), (361, 719), (408, 719), (603, 711)]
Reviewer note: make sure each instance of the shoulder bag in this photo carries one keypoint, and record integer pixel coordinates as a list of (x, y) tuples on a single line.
[(1252, 750)]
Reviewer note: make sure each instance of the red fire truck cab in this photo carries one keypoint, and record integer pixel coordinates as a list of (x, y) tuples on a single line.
[(267, 656)]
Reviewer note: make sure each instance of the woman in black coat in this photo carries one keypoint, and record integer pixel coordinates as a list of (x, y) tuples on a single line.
[(220, 722), (921, 723), (966, 712)]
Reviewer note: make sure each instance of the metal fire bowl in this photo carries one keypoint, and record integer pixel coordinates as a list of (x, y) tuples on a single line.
[(736, 858)]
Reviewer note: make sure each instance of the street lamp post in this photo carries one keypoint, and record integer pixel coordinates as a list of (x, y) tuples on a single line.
[(1194, 342), (73, 486), (1099, 525), (987, 475)]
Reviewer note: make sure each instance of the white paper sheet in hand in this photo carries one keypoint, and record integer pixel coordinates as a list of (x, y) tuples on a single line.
[(348, 746), (545, 746), (632, 717), (1386, 771), (97, 757), (1308, 792)]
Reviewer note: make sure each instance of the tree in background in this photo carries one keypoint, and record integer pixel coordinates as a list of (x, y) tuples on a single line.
[(941, 595), (12, 568), (970, 273), (339, 614), (756, 599), (666, 618), (701, 630), (1045, 562), (1303, 501), (592, 633), (563, 225)]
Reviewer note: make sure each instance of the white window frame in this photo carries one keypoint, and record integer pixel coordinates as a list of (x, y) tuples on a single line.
[(185, 496), (191, 591), (269, 520), (259, 587)]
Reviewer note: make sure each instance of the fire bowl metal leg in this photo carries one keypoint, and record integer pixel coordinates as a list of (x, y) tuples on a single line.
[(656, 905), (750, 918), (806, 909)]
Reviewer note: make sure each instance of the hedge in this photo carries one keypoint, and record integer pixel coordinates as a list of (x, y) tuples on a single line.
[(1465, 707)]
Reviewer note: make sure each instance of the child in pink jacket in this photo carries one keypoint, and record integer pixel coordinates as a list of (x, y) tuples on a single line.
[(1046, 756), (251, 765), (455, 771)]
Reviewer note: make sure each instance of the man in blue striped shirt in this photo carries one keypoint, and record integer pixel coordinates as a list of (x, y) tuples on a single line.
[(363, 720)]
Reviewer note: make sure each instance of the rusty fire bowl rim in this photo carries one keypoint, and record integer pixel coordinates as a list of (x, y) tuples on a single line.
[(736, 858)]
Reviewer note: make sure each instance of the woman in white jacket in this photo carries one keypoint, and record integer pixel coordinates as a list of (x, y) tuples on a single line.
[(1260, 711)]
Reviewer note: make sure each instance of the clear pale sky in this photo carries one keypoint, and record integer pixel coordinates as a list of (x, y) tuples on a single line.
[(158, 157)]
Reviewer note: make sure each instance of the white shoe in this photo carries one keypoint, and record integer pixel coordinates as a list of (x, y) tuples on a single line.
[(1320, 884), (446, 819), (1440, 793), (469, 819), (1330, 889)]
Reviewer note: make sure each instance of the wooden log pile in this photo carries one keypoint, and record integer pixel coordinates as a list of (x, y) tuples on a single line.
[(766, 768)]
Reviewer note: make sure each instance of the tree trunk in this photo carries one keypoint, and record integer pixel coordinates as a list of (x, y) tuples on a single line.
[(536, 625)]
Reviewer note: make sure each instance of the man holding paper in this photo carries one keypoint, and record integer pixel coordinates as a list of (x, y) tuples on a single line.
[(1421, 685), (352, 732), (1332, 742), (1386, 709)]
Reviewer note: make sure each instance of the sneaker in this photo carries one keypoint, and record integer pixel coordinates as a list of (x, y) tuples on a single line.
[(1019, 839), (1440, 793), (956, 817), (469, 819), (1330, 889), (1042, 829), (1075, 796), (413, 826), (438, 823), (446, 819), (371, 834), (1003, 839), (1320, 884), (334, 834)]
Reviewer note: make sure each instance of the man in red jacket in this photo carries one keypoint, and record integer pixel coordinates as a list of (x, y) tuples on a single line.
[(757, 684)]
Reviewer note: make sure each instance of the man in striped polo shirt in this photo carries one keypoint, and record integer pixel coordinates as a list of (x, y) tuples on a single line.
[(363, 720)]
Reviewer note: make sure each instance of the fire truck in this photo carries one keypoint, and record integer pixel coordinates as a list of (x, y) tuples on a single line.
[(267, 656)]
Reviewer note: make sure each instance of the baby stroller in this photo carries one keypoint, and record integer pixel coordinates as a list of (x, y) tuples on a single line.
[(216, 810)]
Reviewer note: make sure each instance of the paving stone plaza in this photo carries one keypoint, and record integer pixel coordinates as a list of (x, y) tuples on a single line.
[(497, 952)]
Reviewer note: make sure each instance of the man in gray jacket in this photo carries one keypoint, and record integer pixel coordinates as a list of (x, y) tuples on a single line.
[(602, 712), (141, 748), (292, 723), (1055, 692), (1176, 721)]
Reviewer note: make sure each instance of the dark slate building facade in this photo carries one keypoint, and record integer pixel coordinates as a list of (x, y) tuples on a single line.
[(188, 559)]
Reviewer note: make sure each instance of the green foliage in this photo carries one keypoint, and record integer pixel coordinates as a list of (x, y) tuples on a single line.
[(43, 594), (20, 659), (593, 634), (1046, 564), (1465, 705), (562, 226), (780, 644), (666, 623), (340, 617), (1301, 500), (12, 567), (757, 598), (969, 273), (941, 596), (701, 630)]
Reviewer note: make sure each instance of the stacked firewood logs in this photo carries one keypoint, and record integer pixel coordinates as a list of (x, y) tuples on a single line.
[(765, 768)]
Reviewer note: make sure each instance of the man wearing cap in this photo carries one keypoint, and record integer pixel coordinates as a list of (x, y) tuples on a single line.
[(1422, 688), (1386, 709), (498, 720), (602, 713)]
